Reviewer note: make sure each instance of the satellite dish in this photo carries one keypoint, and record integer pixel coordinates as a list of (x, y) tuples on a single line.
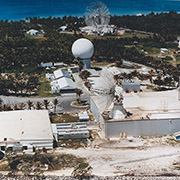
[(107, 86)]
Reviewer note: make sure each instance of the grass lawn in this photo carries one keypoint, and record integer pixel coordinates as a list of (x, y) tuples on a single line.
[(38, 37), (44, 89), (126, 35), (104, 63), (65, 118)]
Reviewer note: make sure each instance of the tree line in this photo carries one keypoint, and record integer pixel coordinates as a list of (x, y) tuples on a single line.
[(29, 105), (18, 84), (165, 24)]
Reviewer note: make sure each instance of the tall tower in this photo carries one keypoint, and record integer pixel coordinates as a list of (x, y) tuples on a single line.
[(83, 49)]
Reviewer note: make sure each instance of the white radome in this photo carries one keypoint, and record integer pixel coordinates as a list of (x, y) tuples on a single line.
[(83, 48)]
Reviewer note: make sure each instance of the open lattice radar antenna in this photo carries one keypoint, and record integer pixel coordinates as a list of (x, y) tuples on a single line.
[(97, 14)]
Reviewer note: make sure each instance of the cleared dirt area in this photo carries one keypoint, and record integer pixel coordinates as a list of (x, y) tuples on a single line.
[(132, 156)]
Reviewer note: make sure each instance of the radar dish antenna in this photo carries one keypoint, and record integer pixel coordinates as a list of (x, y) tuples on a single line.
[(107, 86), (97, 15)]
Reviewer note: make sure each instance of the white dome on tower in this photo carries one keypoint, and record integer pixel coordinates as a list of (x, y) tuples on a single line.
[(83, 48)]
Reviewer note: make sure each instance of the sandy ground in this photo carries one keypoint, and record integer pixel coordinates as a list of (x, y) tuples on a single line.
[(132, 156), (108, 162)]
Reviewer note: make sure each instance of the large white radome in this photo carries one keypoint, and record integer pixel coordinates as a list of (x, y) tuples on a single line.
[(83, 48)]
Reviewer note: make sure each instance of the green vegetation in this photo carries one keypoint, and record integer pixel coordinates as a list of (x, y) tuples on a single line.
[(18, 84), (178, 58), (165, 24), (64, 118), (168, 58), (73, 143), (23, 53), (39, 162), (44, 89)]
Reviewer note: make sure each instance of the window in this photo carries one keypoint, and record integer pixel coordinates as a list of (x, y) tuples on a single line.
[(3, 148), (25, 147)]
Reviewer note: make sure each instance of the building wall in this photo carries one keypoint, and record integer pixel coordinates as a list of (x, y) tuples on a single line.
[(130, 86), (39, 144), (154, 127), (97, 115), (94, 109)]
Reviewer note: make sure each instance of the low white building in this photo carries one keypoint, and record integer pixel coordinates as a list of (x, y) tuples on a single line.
[(164, 50), (62, 28), (116, 71), (71, 131), (140, 114), (46, 65), (66, 85), (61, 73), (62, 82), (98, 30), (59, 64), (34, 32), (27, 128), (83, 116)]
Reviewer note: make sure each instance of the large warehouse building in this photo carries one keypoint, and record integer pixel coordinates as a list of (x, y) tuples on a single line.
[(27, 128), (140, 114)]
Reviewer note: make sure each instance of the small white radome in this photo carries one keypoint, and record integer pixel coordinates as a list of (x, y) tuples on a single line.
[(83, 48)]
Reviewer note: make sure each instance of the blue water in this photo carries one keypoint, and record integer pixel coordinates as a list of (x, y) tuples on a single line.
[(20, 9)]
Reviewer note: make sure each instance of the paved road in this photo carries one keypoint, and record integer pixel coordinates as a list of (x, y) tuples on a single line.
[(64, 101), (80, 85)]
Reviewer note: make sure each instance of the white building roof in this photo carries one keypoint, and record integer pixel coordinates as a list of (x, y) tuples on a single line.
[(63, 27), (66, 83), (61, 73), (44, 65), (33, 31), (149, 104), (145, 105), (116, 70), (59, 64), (83, 116), (25, 125)]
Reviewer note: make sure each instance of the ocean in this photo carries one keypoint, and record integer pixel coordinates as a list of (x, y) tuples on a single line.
[(20, 9)]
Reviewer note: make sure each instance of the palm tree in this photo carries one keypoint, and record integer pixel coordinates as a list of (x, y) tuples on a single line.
[(30, 104), (46, 103), (38, 105), (1, 101), (15, 107), (80, 63), (8, 107), (78, 93), (55, 102), (21, 106), (3, 107)]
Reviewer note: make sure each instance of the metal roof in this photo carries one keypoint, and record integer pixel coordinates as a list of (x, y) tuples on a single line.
[(25, 125), (61, 73), (66, 83)]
